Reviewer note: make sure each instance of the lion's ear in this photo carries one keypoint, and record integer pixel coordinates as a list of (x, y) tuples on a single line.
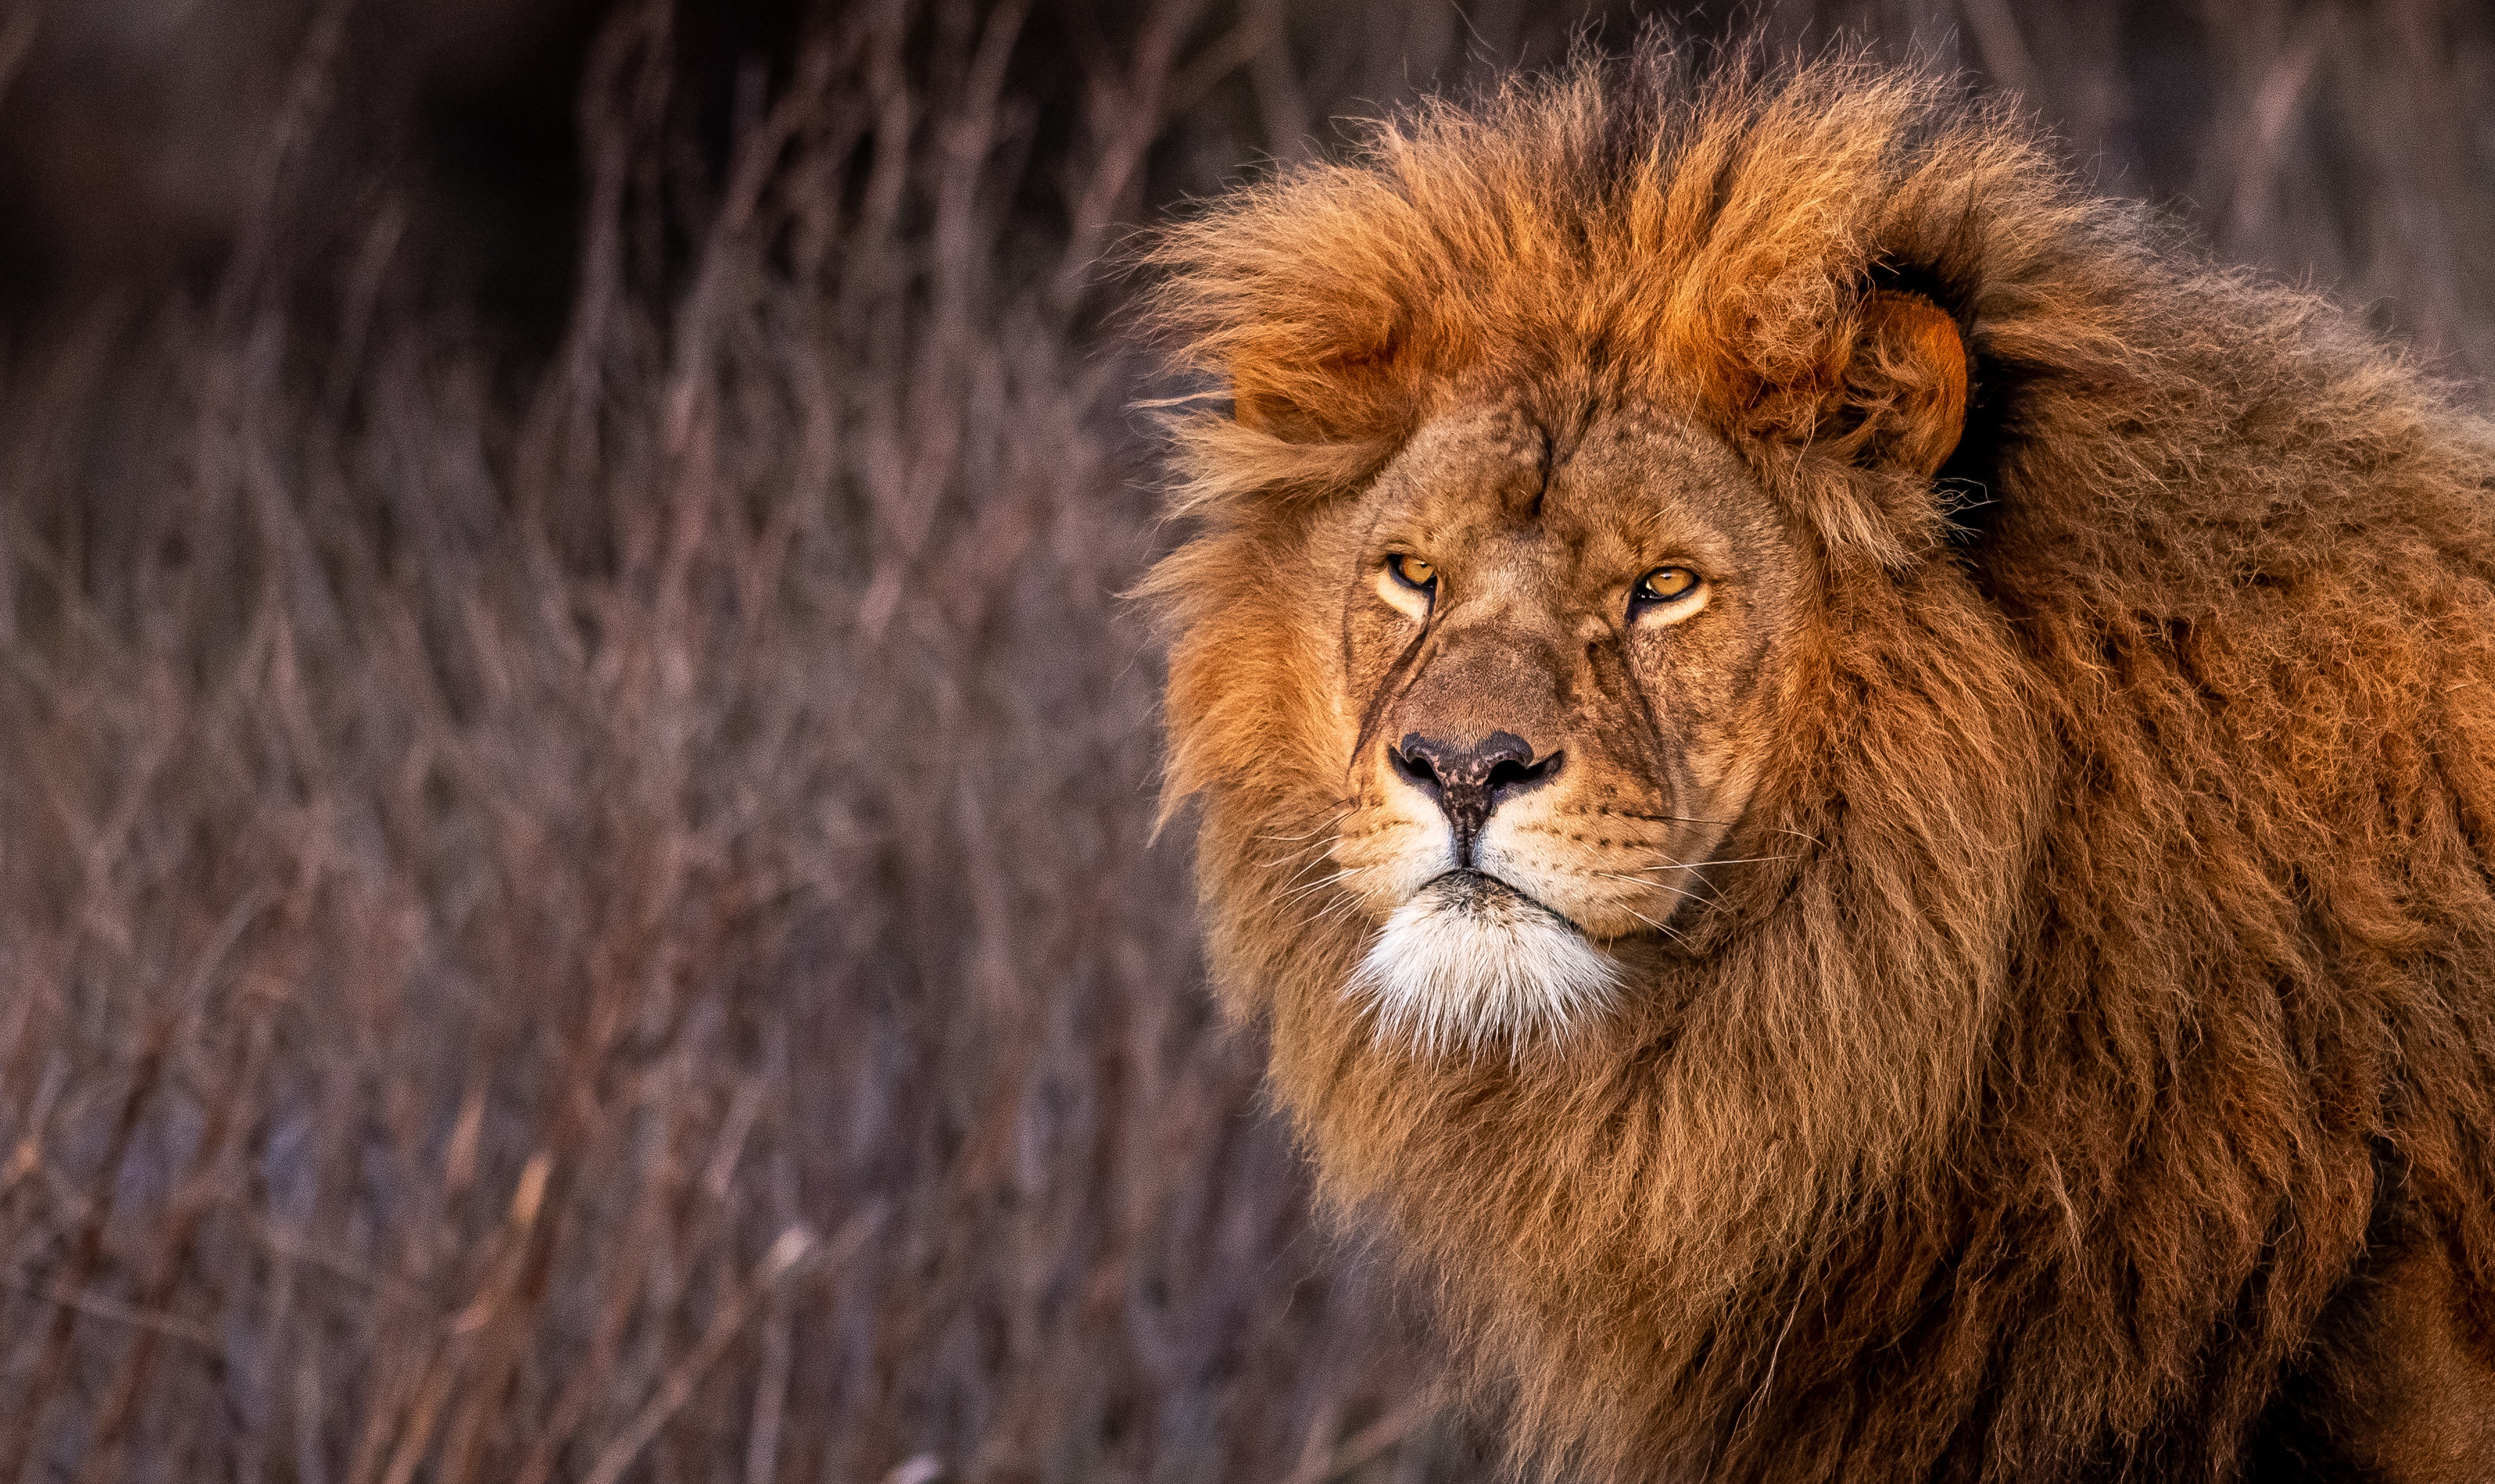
[(1906, 377), (1326, 398)]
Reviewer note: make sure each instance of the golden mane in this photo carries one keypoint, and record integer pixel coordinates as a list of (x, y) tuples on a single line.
[(2111, 983)]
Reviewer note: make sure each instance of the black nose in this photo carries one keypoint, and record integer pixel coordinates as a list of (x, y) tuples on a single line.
[(1469, 779)]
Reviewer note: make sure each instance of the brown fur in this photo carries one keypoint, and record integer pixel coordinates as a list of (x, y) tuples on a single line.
[(2092, 1059)]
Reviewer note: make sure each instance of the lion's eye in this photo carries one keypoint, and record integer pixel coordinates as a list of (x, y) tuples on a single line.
[(1412, 571), (1665, 584)]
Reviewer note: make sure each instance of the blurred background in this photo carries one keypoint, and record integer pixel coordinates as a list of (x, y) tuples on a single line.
[(577, 888)]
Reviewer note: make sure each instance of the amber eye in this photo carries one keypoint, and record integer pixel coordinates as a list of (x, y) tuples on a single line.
[(1664, 584), (1412, 571)]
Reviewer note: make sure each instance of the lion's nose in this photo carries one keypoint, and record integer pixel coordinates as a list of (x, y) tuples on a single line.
[(1469, 780)]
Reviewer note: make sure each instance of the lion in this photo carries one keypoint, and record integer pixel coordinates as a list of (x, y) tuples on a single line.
[(1857, 794)]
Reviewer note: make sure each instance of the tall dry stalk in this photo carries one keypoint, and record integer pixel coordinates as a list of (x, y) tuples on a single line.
[(623, 941)]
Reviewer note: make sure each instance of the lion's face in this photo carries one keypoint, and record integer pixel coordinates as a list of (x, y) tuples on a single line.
[(1560, 653)]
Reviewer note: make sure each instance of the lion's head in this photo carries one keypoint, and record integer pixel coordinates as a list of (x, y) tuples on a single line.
[(1569, 635), (1779, 703), (1560, 649)]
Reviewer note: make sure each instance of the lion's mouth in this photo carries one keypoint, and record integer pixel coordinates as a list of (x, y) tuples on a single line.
[(1471, 959), (1469, 891)]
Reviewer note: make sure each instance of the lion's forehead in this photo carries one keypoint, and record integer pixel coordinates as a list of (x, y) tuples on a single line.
[(1559, 497)]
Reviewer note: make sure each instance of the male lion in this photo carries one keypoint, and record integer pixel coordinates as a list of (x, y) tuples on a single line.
[(1858, 797)]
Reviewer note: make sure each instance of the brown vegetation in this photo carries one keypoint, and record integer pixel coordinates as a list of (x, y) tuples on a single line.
[(2087, 1041), (594, 918)]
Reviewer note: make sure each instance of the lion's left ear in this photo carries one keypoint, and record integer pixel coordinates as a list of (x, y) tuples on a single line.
[(1905, 379)]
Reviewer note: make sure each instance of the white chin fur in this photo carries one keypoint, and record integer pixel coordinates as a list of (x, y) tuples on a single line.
[(1469, 961)]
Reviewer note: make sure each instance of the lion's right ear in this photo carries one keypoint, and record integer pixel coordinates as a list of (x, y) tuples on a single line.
[(1906, 380), (1339, 395)]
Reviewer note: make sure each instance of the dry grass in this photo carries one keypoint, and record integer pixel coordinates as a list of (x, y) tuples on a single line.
[(608, 928)]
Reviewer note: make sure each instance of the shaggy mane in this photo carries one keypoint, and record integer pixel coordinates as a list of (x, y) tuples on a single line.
[(2113, 983)]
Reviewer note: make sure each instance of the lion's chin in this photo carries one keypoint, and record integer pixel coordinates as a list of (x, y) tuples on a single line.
[(1469, 960)]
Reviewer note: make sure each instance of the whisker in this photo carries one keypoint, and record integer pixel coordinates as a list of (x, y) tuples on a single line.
[(1323, 881), (1657, 926), (1319, 885), (1302, 879), (1341, 907), (1304, 867), (1670, 864), (1737, 860), (1659, 886), (1337, 819), (1288, 856)]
